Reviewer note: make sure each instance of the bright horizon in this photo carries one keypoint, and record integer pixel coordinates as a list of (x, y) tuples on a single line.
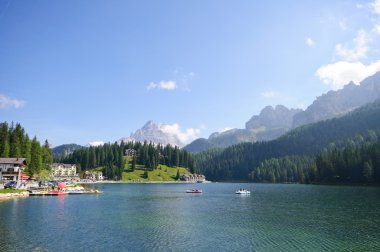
[(80, 72)]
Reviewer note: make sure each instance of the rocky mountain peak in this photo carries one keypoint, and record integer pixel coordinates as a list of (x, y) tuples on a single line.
[(338, 102), (150, 125), (151, 132), (273, 118)]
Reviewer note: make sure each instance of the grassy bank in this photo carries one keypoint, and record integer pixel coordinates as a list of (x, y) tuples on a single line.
[(162, 173), (9, 190)]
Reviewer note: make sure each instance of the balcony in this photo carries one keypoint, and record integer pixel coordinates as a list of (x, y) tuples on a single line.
[(15, 169)]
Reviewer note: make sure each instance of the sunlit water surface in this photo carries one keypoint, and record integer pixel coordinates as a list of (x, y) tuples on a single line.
[(162, 217)]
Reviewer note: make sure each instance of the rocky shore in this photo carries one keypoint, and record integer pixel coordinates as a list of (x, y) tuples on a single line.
[(13, 195)]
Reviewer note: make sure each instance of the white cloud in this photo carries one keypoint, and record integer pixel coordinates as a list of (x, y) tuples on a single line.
[(310, 42), (340, 73), (351, 67), (183, 136), (168, 85), (7, 102), (359, 50), (343, 24), (376, 29), (375, 6), (269, 94), (96, 143)]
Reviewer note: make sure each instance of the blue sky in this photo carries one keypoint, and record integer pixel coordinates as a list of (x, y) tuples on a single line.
[(84, 71)]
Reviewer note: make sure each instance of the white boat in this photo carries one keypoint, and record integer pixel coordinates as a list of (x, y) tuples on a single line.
[(242, 191), (194, 191)]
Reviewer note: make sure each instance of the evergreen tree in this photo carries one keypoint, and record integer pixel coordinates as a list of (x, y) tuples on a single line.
[(4, 140), (176, 156), (16, 134), (92, 158), (178, 175), (47, 155), (26, 149), (36, 159)]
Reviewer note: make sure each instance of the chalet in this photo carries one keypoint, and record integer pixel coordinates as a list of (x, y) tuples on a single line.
[(193, 178), (130, 152), (64, 171), (11, 168), (93, 175)]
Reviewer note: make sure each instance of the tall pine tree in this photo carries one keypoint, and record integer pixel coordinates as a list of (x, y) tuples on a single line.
[(35, 164)]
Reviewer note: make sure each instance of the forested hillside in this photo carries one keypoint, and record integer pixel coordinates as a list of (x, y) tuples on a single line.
[(65, 149), (358, 162), (237, 162), (110, 157), (14, 142)]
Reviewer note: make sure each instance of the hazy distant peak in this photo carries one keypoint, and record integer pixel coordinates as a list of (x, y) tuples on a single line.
[(337, 102), (151, 132), (150, 125), (273, 118), (222, 133)]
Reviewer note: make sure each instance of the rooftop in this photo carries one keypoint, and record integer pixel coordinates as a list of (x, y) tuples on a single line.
[(19, 161)]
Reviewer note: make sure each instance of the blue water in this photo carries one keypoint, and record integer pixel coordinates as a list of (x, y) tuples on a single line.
[(162, 217)]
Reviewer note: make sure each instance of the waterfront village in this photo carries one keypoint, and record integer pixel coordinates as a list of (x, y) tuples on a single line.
[(12, 175)]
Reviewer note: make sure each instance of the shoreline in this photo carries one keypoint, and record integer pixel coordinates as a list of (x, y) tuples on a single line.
[(5, 196), (143, 182)]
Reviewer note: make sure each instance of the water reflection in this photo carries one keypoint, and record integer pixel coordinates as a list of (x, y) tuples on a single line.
[(164, 217)]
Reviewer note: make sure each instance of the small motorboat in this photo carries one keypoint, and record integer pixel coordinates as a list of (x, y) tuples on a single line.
[(194, 191), (242, 191)]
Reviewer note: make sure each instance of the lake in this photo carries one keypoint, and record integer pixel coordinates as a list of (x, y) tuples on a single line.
[(162, 217)]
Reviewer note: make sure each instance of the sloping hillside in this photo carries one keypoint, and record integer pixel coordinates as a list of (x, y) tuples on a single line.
[(237, 161)]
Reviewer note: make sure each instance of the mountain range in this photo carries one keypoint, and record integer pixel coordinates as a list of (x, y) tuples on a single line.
[(337, 103), (356, 129), (274, 122), (65, 149), (269, 124)]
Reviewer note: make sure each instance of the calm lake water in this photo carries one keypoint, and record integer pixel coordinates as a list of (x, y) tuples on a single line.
[(162, 217)]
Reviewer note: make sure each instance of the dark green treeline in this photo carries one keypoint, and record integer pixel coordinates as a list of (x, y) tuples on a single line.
[(304, 154), (14, 142), (352, 164), (110, 157)]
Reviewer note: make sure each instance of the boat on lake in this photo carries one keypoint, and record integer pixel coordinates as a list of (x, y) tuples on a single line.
[(242, 191), (194, 191)]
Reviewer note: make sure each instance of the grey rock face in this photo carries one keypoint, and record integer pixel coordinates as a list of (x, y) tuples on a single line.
[(279, 117), (151, 132), (336, 103)]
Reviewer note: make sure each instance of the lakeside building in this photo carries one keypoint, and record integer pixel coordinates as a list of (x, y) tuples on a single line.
[(93, 175), (64, 171), (193, 178), (11, 168)]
